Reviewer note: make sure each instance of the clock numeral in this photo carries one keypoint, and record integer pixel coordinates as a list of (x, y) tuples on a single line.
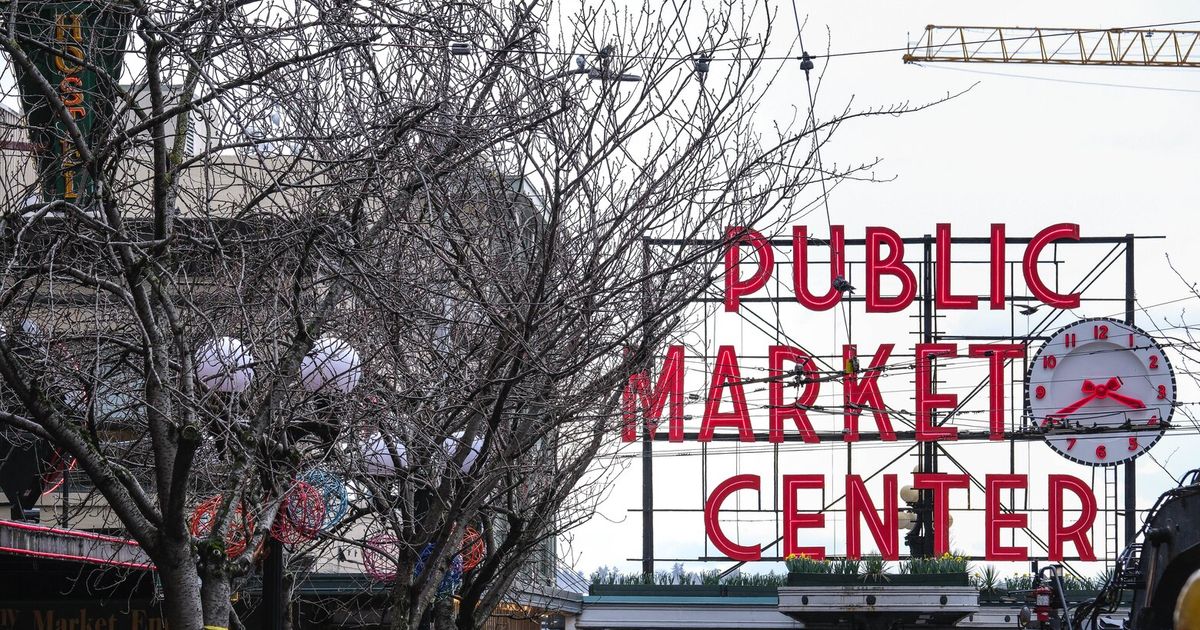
[(1162, 392), (1069, 340), (1040, 392), (1130, 340), (1100, 332), (1101, 452), (1071, 443), (1133, 445), (1048, 362), (1153, 420), (1154, 362)]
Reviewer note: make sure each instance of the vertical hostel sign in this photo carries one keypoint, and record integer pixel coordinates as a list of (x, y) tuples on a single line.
[(75, 49)]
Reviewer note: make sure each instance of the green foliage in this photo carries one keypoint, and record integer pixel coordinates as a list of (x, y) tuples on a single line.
[(757, 579), (946, 563), (804, 564), (874, 568), (845, 566), (987, 580), (1019, 582), (605, 576)]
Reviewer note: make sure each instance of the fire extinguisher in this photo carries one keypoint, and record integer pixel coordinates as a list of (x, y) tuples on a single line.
[(1041, 605)]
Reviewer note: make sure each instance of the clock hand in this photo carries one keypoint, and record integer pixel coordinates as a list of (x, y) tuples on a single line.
[(1109, 389), (1127, 401), (1092, 392)]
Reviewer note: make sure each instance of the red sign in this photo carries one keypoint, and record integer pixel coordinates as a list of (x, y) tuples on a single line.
[(648, 397)]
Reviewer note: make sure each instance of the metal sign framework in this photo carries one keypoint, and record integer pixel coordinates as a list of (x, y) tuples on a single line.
[(931, 454)]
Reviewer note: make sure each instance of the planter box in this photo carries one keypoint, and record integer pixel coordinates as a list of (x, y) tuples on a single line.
[(750, 591), (833, 579), (823, 579)]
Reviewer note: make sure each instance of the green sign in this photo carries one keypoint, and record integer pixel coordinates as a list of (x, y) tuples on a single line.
[(76, 48)]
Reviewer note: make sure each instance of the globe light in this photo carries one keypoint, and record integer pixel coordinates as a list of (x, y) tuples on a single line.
[(331, 363), (909, 494), (454, 442), (906, 520), (223, 365), (377, 458)]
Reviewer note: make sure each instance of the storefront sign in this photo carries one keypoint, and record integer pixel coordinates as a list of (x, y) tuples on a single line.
[(76, 49)]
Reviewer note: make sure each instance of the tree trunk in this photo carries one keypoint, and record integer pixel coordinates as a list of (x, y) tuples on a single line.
[(214, 594), (181, 591)]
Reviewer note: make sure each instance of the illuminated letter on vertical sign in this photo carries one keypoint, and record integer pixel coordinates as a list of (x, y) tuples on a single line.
[(712, 518), (892, 265), (1077, 532), (1061, 231), (997, 519), (639, 398), (864, 394), (837, 267), (792, 520), (940, 485), (726, 373), (885, 530), (735, 286), (927, 401), (797, 410)]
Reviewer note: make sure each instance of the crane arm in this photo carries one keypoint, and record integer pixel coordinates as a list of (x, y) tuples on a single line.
[(1095, 47)]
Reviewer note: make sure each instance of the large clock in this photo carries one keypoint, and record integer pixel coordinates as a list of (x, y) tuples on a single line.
[(1102, 391)]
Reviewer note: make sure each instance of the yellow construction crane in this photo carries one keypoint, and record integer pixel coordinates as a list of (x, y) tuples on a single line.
[(1085, 47)]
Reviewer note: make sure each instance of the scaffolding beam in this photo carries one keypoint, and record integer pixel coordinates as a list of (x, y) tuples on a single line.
[(1081, 47)]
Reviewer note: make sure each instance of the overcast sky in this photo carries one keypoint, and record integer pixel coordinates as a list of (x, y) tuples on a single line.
[(1113, 149)]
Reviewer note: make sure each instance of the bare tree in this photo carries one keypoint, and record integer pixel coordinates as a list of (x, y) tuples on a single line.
[(457, 191)]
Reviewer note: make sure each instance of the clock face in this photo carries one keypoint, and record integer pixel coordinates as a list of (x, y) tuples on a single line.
[(1102, 390)]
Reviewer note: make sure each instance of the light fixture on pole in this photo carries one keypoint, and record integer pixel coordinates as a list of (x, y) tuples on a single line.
[(381, 458), (454, 442), (332, 363), (224, 365)]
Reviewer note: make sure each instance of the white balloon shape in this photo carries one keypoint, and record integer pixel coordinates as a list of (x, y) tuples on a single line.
[(378, 458), (452, 444), (333, 363), (223, 364)]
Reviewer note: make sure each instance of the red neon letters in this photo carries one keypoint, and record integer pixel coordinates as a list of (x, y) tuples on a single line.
[(1068, 231), (882, 522), (798, 409), (837, 267), (712, 517), (735, 286), (884, 257)]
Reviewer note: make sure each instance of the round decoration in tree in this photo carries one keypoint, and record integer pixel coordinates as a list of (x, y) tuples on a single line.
[(333, 493), (453, 575), (331, 363), (300, 516), (237, 533), (379, 557), (474, 549), (224, 365)]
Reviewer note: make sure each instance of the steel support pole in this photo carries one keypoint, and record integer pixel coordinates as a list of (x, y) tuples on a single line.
[(273, 604), (929, 454), (647, 458), (1131, 524)]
